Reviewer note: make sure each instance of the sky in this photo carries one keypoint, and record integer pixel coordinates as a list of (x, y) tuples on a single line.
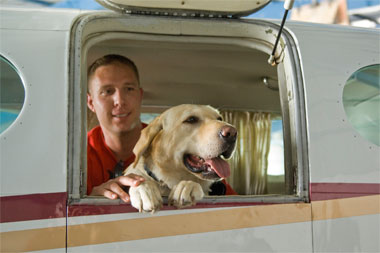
[(275, 9)]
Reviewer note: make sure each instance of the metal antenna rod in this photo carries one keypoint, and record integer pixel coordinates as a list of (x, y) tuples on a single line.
[(287, 5)]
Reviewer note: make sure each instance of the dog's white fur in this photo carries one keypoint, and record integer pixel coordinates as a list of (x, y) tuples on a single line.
[(161, 149)]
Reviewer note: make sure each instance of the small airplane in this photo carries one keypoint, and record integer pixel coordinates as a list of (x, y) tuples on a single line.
[(320, 90)]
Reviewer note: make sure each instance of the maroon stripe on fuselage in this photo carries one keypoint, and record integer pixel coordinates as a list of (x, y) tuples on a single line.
[(33, 207), (326, 191), (53, 205)]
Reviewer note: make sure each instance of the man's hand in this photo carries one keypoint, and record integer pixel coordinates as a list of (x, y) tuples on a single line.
[(112, 189)]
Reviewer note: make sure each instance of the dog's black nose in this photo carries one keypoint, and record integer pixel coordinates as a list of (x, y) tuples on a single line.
[(228, 134)]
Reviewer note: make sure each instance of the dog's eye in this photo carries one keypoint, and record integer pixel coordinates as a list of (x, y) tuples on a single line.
[(220, 118), (191, 120)]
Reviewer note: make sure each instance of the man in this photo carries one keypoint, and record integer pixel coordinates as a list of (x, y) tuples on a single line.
[(114, 95)]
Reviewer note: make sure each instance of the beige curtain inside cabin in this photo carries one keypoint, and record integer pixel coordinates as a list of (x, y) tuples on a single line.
[(249, 164)]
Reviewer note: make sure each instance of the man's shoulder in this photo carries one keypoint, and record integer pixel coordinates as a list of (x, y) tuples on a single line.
[(95, 131)]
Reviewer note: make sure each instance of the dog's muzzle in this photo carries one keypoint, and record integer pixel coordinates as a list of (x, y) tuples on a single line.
[(214, 168)]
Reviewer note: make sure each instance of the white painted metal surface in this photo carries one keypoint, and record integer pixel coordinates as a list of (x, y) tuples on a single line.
[(214, 7), (330, 55), (330, 235), (38, 47)]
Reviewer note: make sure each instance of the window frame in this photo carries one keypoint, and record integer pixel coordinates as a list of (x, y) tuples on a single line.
[(22, 82), (354, 81), (290, 80)]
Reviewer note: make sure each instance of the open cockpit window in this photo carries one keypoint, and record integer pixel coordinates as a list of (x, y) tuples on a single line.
[(183, 61)]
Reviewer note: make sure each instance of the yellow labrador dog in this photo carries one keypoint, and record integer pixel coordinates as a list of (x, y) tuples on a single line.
[(180, 155)]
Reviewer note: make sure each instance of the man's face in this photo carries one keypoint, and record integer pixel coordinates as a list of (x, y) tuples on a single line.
[(115, 97)]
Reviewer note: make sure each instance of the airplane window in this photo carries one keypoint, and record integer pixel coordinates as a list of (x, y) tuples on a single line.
[(259, 155), (148, 117), (12, 94), (361, 100), (276, 160)]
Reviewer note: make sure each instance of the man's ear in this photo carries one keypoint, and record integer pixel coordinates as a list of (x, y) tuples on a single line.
[(90, 104)]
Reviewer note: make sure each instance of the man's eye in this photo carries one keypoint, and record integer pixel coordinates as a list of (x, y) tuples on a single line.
[(191, 120), (106, 92)]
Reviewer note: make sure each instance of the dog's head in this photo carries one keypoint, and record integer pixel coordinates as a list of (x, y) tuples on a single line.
[(189, 137)]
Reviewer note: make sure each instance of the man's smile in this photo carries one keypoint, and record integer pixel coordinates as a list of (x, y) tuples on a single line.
[(121, 115)]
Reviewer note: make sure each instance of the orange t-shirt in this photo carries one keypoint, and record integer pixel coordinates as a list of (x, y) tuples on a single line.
[(229, 190), (100, 159)]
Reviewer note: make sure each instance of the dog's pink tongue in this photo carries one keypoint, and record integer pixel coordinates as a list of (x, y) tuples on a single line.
[(220, 166)]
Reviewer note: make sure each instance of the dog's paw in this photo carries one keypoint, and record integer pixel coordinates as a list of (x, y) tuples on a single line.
[(146, 197), (186, 193)]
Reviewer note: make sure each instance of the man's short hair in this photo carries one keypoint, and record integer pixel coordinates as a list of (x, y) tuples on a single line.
[(109, 59)]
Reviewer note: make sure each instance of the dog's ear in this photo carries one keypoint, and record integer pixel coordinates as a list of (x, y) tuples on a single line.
[(147, 135)]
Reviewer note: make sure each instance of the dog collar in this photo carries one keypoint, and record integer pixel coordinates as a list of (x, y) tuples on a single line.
[(150, 173)]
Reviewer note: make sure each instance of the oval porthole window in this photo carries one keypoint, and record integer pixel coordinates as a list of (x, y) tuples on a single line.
[(361, 100), (12, 94)]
